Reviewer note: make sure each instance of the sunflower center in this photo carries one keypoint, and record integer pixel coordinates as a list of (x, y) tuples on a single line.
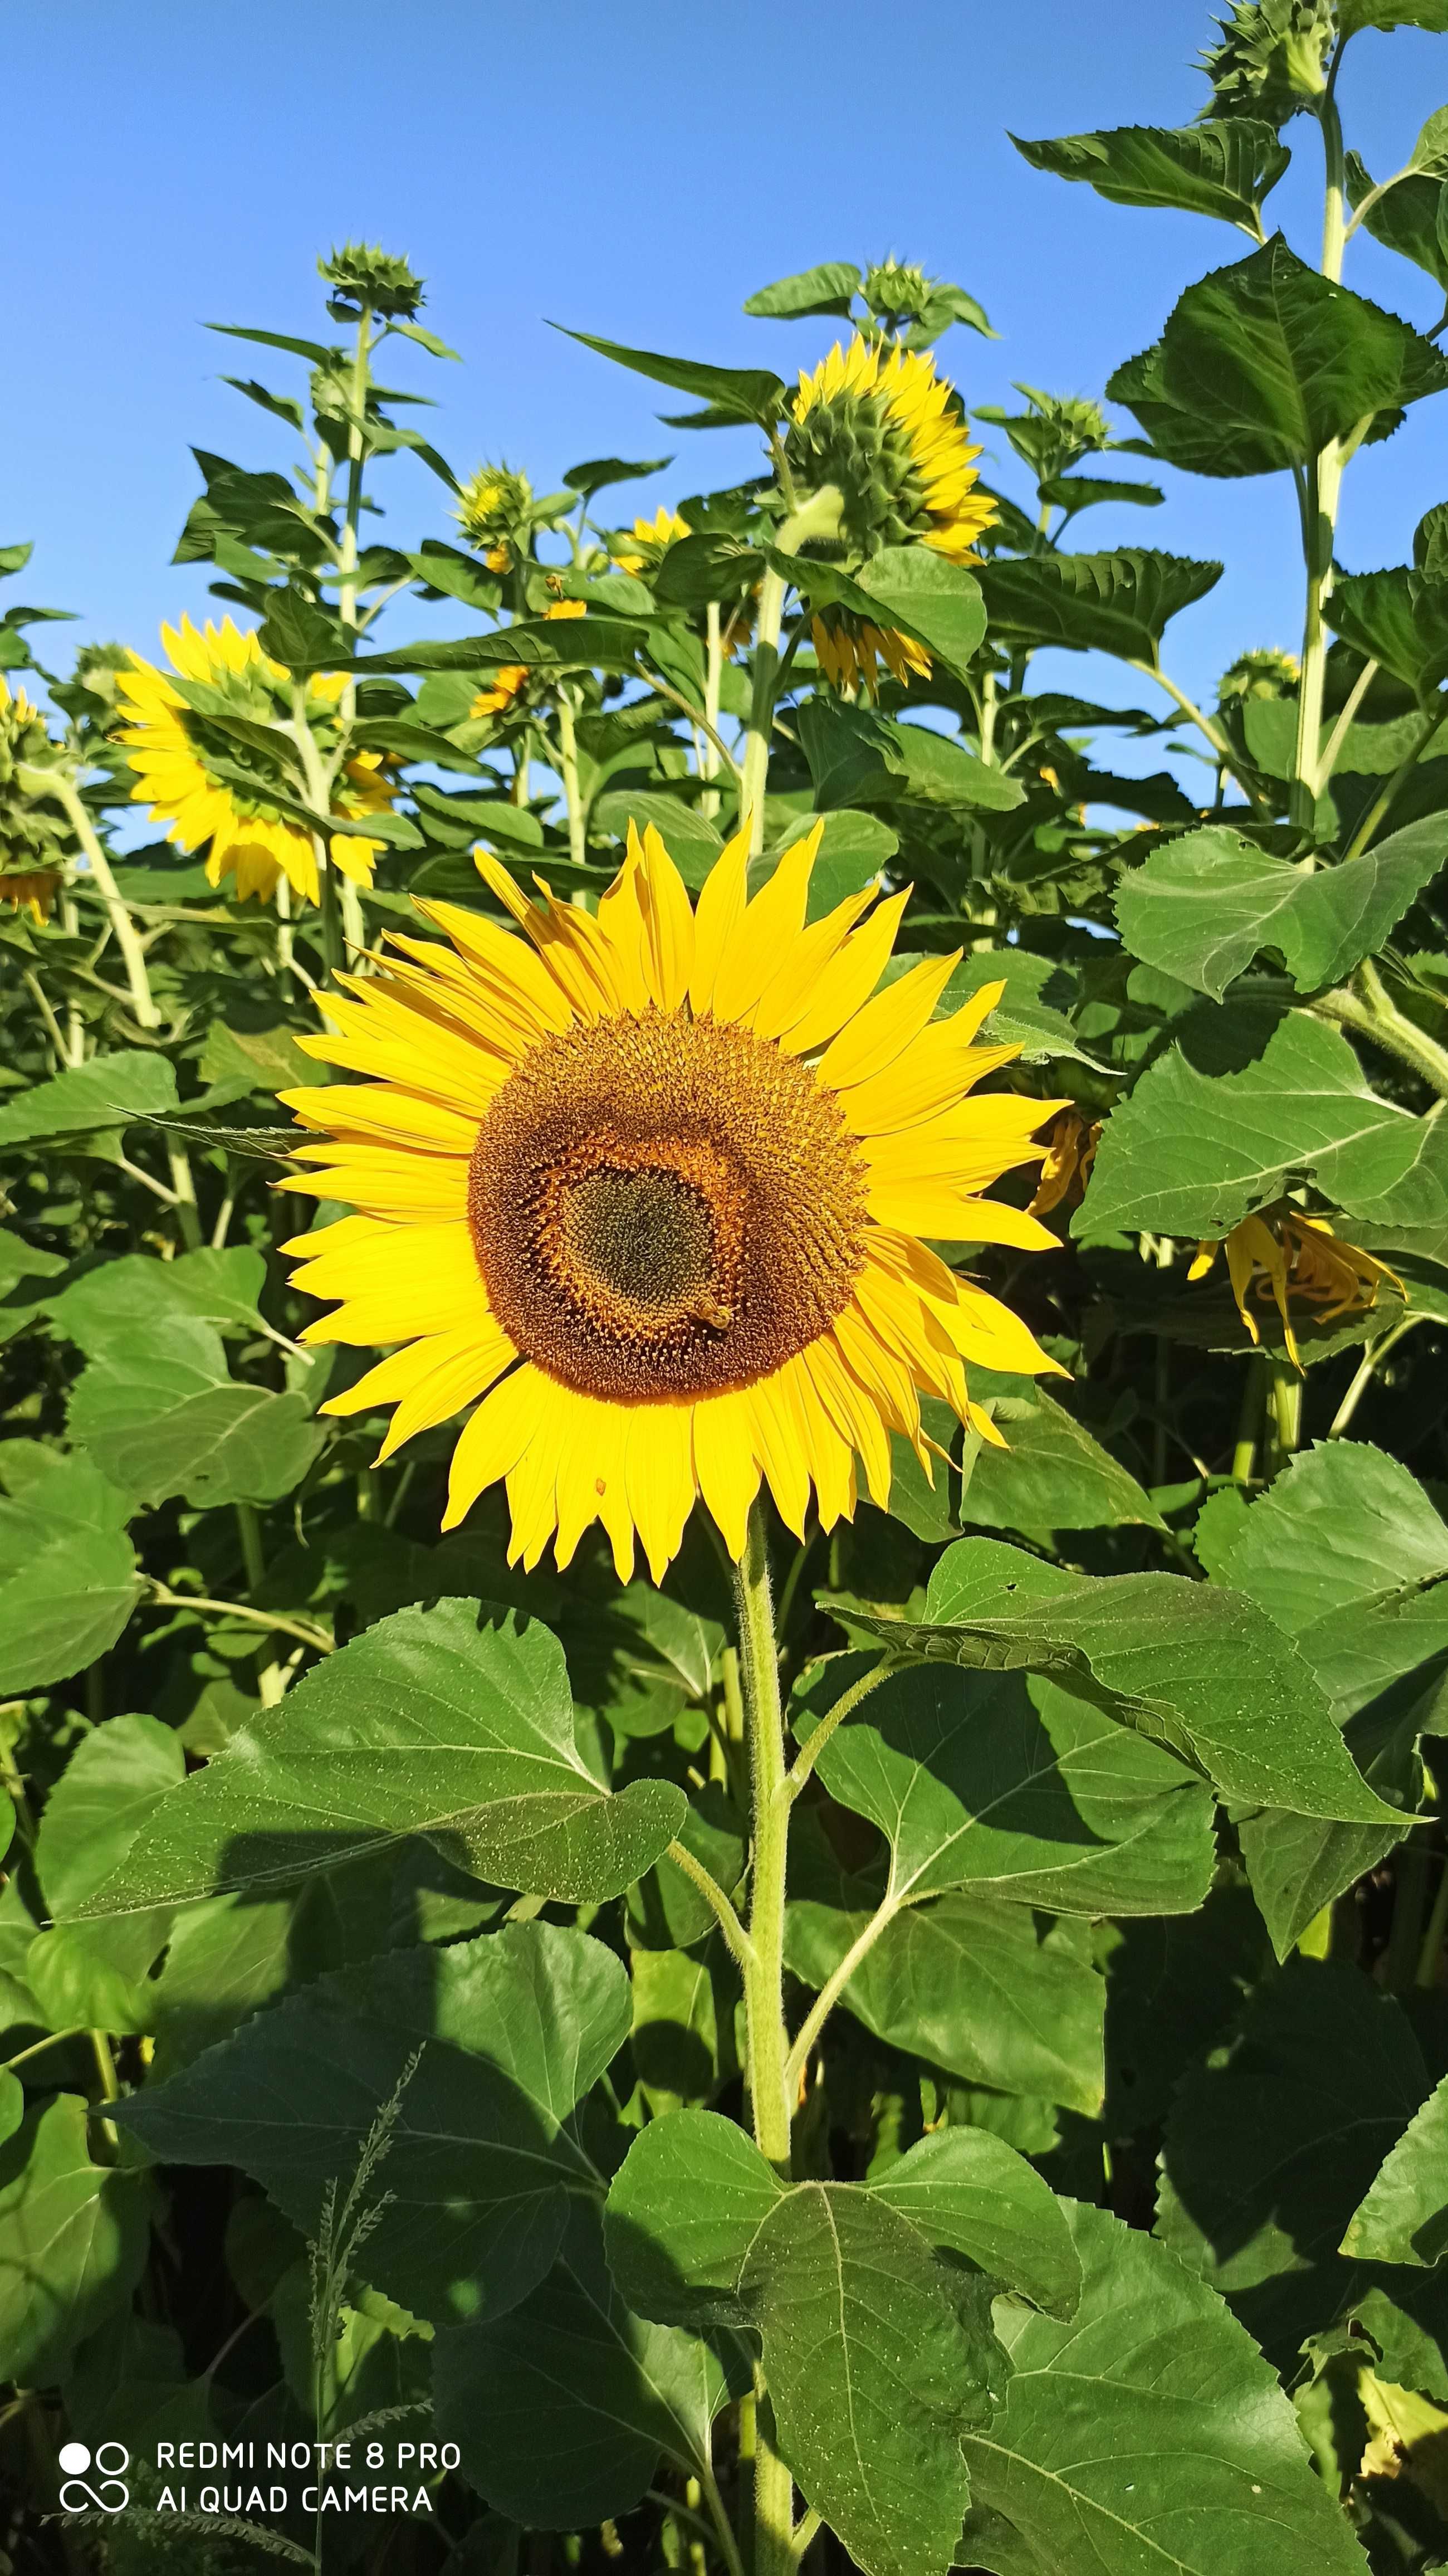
[(664, 1208)]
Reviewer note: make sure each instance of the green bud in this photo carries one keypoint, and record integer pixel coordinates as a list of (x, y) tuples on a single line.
[(359, 275)]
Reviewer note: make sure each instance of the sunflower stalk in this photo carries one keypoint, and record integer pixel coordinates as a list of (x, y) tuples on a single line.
[(768, 2038), (761, 711)]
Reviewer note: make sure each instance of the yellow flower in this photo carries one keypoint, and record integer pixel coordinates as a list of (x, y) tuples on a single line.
[(493, 511), (32, 890), (654, 537), (651, 1183), (177, 755), (508, 684), (876, 422), (1069, 1157), (1285, 1255)]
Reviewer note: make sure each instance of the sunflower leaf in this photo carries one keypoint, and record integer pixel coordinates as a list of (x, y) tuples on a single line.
[(68, 1574), (1241, 1103), (1113, 603), (1224, 166), (1202, 907), (1196, 1666), (743, 393), (454, 1724), (1404, 2216)]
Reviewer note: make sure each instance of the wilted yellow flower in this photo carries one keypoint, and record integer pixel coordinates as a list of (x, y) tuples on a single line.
[(651, 1183), (187, 765), (31, 890), (654, 537), (1069, 1157), (849, 650), (1283, 1255)]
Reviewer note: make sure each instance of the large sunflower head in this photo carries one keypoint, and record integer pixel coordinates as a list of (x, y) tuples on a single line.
[(647, 1187), (876, 424), (879, 424), (208, 784)]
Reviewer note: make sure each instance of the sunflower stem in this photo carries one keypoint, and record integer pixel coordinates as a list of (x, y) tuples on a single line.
[(54, 782), (761, 710), (768, 2037), (568, 764)]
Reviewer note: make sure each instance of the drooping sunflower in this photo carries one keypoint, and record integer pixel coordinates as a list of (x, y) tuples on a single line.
[(186, 765), (651, 1184), (877, 423), (506, 686), (1283, 1256), (34, 840)]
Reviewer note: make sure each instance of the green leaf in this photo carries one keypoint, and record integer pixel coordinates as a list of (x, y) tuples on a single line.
[(1206, 1137), (1015, 1790), (683, 2210), (512, 2029), (1110, 603), (1202, 907), (1388, 14), (1073, 493), (1224, 166), (243, 1060), (107, 1094), (454, 1723), (692, 841), (944, 772), (563, 2408), (1396, 618), (851, 753), (1262, 365), (114, 1780), (969, 1984), (1198, 1667), (872, 2374), (1272, 2145), (1146, 2434), (744, 393), (68, 1577), (1053, 1475), (1348, 1557), (110, 1305), (1404, 2216), (936, 601), (1405, 217), (826, 289), (599, 471), (161, 1414), (299, 634), (1022, 1017), (968, 2191), (73, 2240)]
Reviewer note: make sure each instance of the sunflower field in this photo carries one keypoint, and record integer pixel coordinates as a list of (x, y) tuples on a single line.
[(723, 1577)]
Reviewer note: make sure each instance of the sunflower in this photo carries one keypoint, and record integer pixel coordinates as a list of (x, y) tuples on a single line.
[(1283, 1255), (509, 683), (188, 766), (652, 539), (651, 1184), (31, 890), (1070, 1153), (877, 423), (493, 513)]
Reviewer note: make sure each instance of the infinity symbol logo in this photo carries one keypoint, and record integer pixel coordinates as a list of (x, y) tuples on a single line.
[(111, 2495)]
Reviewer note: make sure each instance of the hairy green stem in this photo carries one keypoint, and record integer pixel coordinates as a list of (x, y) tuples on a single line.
[(54, 782), (568, 767), (163, 1598), (834, 1986), (1368, 1367), (761, 712), (1368, 1008), (767, 2042)]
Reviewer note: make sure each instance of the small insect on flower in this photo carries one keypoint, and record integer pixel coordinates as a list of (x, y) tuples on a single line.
[(651, 1183), (879, 426), (188, 762), (1284, 1256)]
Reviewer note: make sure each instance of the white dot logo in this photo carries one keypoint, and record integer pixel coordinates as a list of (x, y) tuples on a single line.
[(109, 2494)]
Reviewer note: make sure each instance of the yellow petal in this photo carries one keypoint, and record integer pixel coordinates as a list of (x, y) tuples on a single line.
[(397, 1117), (720, 909), (884, 1028), (780, 1437), (949, 1215), (769, 922), (849, 979), (668, 924), (725, 1464), (492, 1440), (659, 1469), (397, 1185)]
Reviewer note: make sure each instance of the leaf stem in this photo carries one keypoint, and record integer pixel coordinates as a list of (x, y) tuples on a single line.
[(1371, 1010), (845, 1706), (1204, 724), (1387, 797), (714, 1897), (163, 1598), (1371, 1361), (835, 1984)]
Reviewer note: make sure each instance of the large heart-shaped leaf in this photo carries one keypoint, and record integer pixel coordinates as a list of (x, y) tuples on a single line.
[(1202, 907), (454, 1723)]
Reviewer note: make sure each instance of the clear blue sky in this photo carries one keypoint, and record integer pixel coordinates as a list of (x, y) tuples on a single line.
[(632, 167)]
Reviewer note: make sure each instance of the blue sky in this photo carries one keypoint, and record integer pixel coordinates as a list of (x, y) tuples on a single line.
[(634, 168)]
